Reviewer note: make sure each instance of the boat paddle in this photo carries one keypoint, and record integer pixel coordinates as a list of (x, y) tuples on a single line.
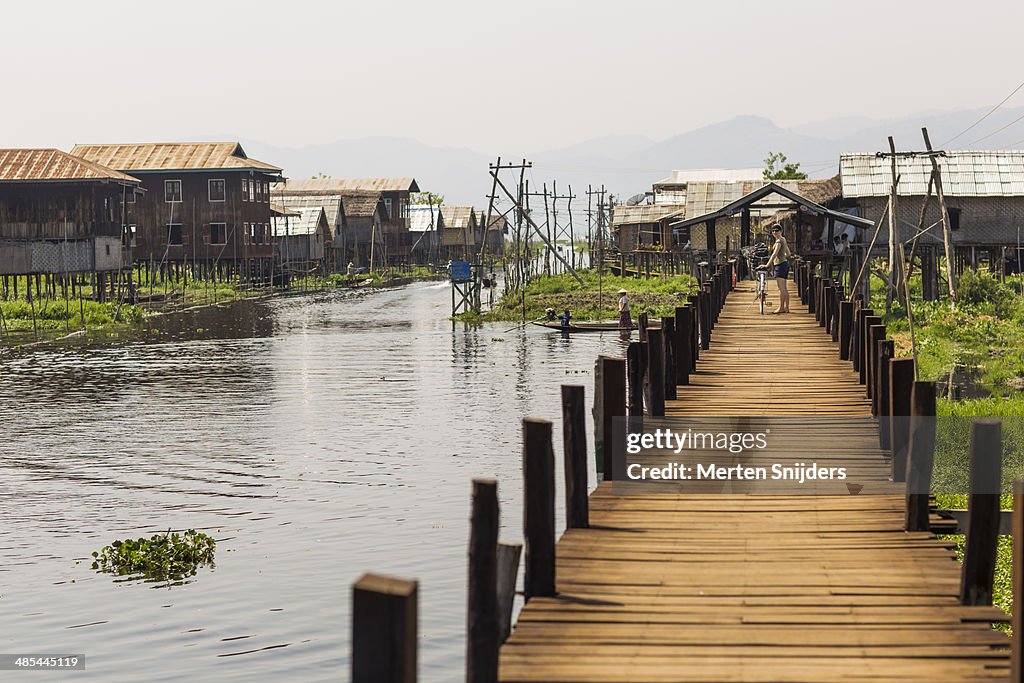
[(524, 324)]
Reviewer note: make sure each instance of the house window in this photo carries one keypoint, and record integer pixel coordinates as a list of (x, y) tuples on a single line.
[(108, 249), (404, 208), (216, 187), (954, 218), (218, 233), (258, 191), (252, 190), (387, 207), (245, 189), (261, 233), (174, 234), (129, 197), (128, 235), (172, 191), (266, 192)]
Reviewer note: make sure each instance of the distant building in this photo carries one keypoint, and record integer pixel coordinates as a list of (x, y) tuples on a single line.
[(496, 231), (204, 202), (61, 214), (337, 256), (302, 239), (394, 196), (984, 194), (672, 190), (459, 236), (426, 224), (644, 226)]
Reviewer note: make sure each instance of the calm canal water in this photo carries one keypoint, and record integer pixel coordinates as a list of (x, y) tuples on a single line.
[(315, 437)]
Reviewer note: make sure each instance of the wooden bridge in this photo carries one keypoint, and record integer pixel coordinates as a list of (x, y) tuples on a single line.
[(657, 587)]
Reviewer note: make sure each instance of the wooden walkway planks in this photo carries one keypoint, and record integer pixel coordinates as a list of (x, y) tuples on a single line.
[(732, 587)]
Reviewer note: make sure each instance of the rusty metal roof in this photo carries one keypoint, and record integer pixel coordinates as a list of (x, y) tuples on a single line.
[(645, 213), (282, 210), (52, 165), (360, 204), (172, 156), (339, 185)]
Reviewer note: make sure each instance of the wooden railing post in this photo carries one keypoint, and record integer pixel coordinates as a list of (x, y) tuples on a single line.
[(695, 332), (881, 399), (656, 372), (684, 323), (922, 455), (705, 320), (862, 345), (837, 299), (539, 508), (613, 404), (574, 442), (508, 570), (668, 333), (845, 327), (858, 325), (826, 306), (384, 615), (901, 385), (983, 513), (641, 324), (483, 633), (873, 332), (634, 382)]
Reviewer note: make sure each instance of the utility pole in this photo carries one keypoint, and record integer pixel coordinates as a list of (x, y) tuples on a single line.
[(946, 237)]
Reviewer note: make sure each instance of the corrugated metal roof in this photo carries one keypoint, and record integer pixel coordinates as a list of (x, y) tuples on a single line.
[(172, 156), (49, 165), (692, 175), (360, 204), (306, 223), (707, 197), (327, 185), (645, 213), (424, 218), (964, 174), (458, 216), (282, 210), (330, 203)]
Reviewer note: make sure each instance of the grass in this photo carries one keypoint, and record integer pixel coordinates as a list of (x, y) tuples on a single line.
[(594, 300)]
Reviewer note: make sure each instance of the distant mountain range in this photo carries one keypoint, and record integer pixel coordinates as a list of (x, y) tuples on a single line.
[(628, 164)]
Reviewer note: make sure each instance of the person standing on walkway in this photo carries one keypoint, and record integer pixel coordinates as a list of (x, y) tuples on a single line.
[(625, 322), (778, 265)]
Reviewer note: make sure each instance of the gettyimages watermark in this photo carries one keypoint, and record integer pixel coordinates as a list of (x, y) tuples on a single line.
[(815, 455)]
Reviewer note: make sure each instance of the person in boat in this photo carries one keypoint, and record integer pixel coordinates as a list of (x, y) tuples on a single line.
[(624, 320), (565, 318), (778, 266)]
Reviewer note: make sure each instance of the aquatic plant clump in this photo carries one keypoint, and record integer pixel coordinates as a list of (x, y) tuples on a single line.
[(161, 557)]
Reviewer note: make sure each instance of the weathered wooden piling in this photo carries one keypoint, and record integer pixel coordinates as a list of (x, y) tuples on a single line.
[(983, 513), (901, 385), (1017, 586), (656, 373), (384, 616), (574, 441), (482, 625), (705, 320), (668, 333), (683, 350), (881, 399), (539, 508), (845, 328), (508, 570), (634, 385), (862, 346), (609, 402), (876, 333), (868, 359), (921, 456)]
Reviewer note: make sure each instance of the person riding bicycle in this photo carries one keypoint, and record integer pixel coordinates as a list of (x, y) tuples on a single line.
[(778, 265)]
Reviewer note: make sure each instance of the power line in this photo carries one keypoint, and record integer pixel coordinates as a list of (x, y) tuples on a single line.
[(985, 137), (992, 111)]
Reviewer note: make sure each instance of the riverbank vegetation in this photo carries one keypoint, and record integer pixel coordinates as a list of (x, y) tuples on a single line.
[(596, 299)]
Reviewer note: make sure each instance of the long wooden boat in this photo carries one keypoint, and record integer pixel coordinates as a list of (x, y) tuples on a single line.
[(585, 326)]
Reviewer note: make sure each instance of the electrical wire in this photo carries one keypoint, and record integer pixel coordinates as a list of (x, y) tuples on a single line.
[(990, 112)]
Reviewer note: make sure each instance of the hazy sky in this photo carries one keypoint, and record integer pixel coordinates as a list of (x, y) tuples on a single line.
[(516, 76)]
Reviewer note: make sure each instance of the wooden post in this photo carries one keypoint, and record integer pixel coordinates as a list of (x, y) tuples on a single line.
[(508, 570), (634, 384), (383, 630), (656, 372), (881, 399), (705, 320), (845, 327), (1017, 586), (539, 508), (983, 513), (694, 304), (837, 298), (668, 333), (862, 346), (684, 331), (574, 442), (901, 384), (922, 455), (812, 295), (873, 332), (642, 323), (613, 404), (858, 325), (482, 601)]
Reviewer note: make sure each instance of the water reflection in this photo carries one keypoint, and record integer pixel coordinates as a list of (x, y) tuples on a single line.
[(316, 437)]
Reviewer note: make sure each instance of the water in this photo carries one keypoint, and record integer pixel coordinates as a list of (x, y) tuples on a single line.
[(315, 437)]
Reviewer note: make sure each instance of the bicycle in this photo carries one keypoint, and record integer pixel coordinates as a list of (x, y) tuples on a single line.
[(761, 295)]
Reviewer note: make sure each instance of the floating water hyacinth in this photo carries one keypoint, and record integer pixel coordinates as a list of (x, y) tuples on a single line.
[(163, 557)]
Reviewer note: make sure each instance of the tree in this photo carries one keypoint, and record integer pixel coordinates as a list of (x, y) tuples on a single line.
[(428, 198), (321, 176), (776, 168)]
